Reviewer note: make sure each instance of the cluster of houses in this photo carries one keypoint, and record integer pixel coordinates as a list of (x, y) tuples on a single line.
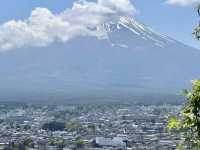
[(100, 127)]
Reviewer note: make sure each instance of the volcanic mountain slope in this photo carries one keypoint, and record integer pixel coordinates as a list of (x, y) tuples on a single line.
[(132, 58)]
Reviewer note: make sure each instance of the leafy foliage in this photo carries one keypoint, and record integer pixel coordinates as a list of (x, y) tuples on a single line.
[(58, 142), (197, 29), (174, 122), (80, 143), (188, 123)]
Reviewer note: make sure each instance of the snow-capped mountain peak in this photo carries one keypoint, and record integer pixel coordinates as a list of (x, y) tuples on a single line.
[(139, 30), (143, 30)]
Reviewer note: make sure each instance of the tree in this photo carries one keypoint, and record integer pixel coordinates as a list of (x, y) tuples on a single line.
[(197, 29), (59, 142), (80, 143), (188, 122)]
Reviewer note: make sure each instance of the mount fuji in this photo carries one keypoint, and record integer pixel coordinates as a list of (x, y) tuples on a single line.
[(134, 58)]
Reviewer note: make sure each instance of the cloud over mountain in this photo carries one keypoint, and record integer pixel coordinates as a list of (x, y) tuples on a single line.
[(43, 27)]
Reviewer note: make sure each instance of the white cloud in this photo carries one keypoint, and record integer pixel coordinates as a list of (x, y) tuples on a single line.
[(181, 2), (43, 27)]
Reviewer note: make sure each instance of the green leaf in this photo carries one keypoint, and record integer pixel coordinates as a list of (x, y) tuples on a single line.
[(174, 123)]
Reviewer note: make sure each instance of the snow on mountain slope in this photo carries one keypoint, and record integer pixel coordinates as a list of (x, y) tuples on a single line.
[(140, 30)]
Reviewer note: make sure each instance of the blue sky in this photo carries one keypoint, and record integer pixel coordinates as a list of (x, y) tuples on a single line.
[(174, 20)]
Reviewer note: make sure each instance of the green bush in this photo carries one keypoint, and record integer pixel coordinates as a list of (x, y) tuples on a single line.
[(188, 123)]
